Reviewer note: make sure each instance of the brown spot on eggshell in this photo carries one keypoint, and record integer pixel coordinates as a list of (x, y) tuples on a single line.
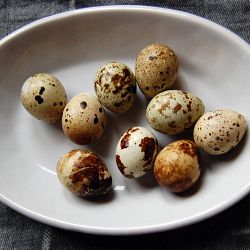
[(165, 105), (148, 147), (177, 107), (188, 148), (126, 137), (120, 164)]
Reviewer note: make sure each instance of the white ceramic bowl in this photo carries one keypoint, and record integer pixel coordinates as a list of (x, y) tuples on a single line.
[(214, 65)]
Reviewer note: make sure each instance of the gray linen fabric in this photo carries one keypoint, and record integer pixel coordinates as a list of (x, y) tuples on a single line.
[(228, 230)]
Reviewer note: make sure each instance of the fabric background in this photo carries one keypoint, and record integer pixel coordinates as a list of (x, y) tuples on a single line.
[(228, 230)]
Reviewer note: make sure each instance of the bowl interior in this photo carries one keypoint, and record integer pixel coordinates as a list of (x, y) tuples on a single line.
[(214, 65)]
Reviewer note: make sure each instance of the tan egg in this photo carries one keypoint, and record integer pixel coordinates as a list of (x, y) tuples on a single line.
[(84, 173), (173, 111), (83, 119), (217, 132), (44, 97), (115, 87), (135, 152), (156, 69), (177, 166)]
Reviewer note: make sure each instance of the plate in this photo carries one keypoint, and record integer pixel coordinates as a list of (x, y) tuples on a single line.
[(214, 65)]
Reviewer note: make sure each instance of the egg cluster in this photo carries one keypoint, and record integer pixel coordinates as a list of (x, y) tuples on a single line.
[(171, 112)]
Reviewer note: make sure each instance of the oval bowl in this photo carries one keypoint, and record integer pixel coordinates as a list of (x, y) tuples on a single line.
[(214, 65)]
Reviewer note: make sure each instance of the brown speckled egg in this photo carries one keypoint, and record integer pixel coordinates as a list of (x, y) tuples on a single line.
[(84, 173), (173, 111), (219, 131), (156, 69), (83, 119), (135, 152), (44, 97), (115, 87), (177, 166)]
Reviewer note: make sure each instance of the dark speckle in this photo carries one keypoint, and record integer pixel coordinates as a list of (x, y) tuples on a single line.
[(126, 72), (100, 110), (60, 103), (216, 149), (83, 105), (54, 103), (189, 106), (117, 104), (152, 57), (41, 90), (39, 99), (96, 119)]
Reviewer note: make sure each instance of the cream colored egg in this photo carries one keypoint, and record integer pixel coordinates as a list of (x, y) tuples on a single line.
[(44, 97), (84, 173), (156, 69), (83, 119), (135, 152), (173, 111), (177, 166), (115, 87), (219, 131)]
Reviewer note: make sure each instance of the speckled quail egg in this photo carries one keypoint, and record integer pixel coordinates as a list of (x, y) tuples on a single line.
[(115, 87), (84, 173), (156, 69), (136, 151), (83, 119), (177, 166), (43, 96), (217, 132), (173, 111)]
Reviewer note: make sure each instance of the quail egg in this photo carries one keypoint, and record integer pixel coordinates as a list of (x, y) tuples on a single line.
[(115, 87), (83, 119), (177, 166), (219, 131), (135, 152), (84, 173), (156, 69), (44, 97), (173, 111)]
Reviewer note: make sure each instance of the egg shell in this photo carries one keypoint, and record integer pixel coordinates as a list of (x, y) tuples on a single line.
[(156, 69), (84, 173), (136, 151), (83, 119), (177, 166), (173, 111), (44, 97), (219, 131), (115, 87)]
